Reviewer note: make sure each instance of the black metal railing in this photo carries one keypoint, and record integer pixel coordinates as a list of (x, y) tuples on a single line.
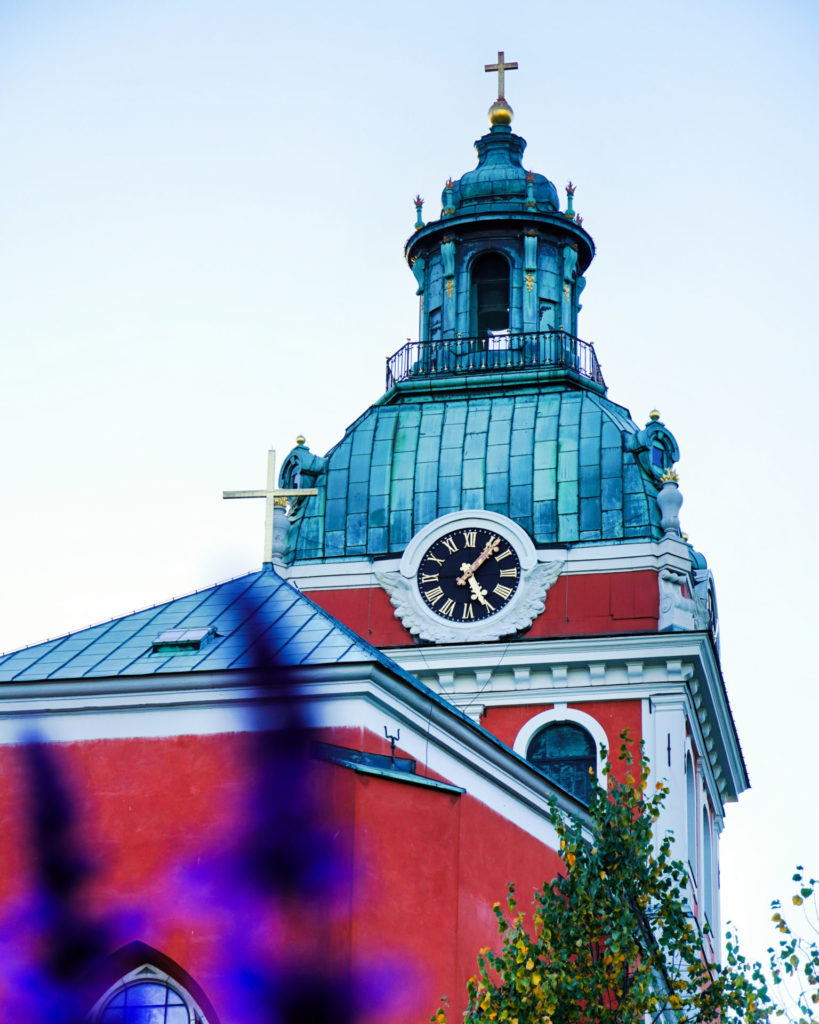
[(503, 351)]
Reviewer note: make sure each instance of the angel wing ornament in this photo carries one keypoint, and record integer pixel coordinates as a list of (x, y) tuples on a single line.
[(528, 603)]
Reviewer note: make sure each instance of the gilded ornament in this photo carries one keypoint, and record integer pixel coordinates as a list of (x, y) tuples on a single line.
[(500, 113), (450, 287), (530, 280)]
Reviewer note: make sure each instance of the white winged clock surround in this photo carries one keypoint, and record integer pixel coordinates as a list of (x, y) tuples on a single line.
[(467, 576)]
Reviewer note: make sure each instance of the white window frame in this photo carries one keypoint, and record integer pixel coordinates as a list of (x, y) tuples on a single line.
[(147, 972), (562, 713)]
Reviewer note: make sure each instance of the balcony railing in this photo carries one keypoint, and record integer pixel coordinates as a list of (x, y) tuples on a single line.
[(500, 352)]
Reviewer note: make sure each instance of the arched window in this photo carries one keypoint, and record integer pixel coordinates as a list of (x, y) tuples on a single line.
[(147, 995), (145, 1001), (691, 809), (490, 294), (566, 753)]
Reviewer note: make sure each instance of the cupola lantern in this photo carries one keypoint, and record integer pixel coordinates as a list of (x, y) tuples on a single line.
[(500, 272)]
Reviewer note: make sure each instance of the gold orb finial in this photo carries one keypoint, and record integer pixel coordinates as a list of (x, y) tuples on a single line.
[(500, 112), (300, 439), (669, 477), (654, 414)]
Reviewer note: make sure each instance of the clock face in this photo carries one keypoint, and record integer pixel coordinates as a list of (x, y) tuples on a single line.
[(468, 574)]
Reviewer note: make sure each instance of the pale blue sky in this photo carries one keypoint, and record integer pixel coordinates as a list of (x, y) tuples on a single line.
[(204, 206)]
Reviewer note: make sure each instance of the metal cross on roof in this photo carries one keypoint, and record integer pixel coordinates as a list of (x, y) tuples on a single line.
[(273, 496), (500, 67)]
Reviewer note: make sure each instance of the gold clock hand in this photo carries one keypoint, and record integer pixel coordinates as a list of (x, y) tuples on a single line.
[(478, 592), (466, 570), (489, 549)]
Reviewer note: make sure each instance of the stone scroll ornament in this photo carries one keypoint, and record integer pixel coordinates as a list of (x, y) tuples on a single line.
[(419, 267), (529, 602)]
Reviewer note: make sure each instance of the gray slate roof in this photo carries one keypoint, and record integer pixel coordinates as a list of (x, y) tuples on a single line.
[(259, 608)]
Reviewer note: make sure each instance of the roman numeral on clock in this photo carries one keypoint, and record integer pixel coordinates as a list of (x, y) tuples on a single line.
[(502, 591), (434, 595), (470, 538), (450, 545), (509, 572), (431, 577), (448, 607), (502, 555)]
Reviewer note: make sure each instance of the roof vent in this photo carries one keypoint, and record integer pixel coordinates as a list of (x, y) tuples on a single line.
[(183, 641)]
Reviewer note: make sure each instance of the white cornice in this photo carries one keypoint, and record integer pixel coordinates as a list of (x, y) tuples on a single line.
[(653, 667), (654, 647), (365, 694)]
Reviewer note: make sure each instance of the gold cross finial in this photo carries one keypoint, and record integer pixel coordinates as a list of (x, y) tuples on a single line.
[(500, 67), (273, 496)]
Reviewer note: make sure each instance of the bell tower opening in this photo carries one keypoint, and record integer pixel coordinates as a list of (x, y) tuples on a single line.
[(489, 294)]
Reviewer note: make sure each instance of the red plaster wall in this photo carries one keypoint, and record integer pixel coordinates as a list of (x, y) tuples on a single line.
[(367, 611), (613, 715), (581, 605), (159, 818), (613, 602), (429, 866), (151, 817)]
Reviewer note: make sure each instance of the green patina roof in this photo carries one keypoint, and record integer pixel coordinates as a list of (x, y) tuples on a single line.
[(499, 181), (556, 462)]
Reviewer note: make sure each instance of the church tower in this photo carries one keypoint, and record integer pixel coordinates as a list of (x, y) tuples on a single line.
[(474, 593), (506, 532)]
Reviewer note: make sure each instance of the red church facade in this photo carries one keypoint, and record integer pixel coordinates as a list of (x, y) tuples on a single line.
[(314, 781), (161, 782)]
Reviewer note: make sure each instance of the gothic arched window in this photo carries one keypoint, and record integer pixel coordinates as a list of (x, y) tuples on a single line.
[(143, 1001), (490, 294), (565, 752), (147, 996)]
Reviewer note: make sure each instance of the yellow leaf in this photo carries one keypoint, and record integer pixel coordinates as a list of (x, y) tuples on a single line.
[(530, 963), (798, 901)]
